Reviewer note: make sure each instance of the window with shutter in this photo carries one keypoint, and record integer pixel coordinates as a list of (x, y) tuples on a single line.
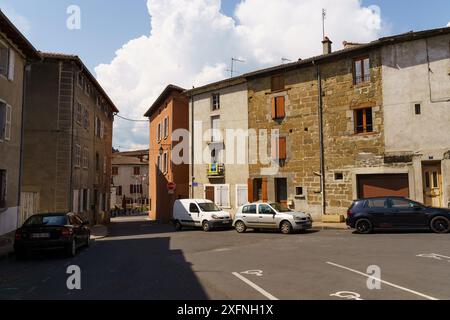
[(75, 201), (222, 196), (2, 120), (166, 127), (241, 195), (277, 83), (8, 118), (278, 107)]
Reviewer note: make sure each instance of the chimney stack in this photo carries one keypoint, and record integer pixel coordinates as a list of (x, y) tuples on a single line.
[(327, 45)]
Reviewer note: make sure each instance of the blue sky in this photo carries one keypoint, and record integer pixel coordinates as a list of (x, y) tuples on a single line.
[(201, 53), (108, 24)]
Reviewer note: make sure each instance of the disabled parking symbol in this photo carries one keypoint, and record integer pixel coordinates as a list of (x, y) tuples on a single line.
[(257, 273)]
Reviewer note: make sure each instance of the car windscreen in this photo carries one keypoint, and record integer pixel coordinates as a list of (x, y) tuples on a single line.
[(46, 221), (209, 207), (280, 208)]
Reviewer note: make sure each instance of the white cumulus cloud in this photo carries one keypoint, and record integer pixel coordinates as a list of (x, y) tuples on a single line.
[(191, 43), (448, 24)]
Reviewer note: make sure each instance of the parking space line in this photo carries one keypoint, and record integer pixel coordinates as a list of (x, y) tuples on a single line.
[(254, 286), (382, 281)]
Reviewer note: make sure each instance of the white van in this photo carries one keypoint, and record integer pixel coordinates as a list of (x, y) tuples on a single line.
[(192, 213)]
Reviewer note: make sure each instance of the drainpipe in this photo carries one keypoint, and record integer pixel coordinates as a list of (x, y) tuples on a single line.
[(192, 147), (26, 67), (321, 139)]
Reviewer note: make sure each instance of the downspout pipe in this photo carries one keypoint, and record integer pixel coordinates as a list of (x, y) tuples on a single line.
[(26, 67), (321, 140), (192, 146)]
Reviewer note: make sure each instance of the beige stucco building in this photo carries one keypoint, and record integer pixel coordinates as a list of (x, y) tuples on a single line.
[(68, 139), (16, 53), (219, 129), (416, 95), (130, 179)]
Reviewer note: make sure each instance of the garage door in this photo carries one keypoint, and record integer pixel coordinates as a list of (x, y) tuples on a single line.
[(381, 185)]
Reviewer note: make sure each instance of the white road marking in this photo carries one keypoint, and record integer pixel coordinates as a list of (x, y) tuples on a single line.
[(258, 273), (434, 256), (382, 281), (254, 286), (347, 295)]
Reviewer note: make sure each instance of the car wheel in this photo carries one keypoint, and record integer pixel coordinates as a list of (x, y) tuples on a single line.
[(286, 227), (240, 227), (206, 227), (364, 226), (71, 249), (178, 226), (440, 225)]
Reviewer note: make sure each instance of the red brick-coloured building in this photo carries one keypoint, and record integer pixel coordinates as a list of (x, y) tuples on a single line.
[(168, 113)]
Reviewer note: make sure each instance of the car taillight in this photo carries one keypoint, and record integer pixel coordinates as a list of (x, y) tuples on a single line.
[(66, 232), (18, 235), (349, 212)]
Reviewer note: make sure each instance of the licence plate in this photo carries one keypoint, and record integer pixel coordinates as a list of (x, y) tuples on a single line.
[(40, 235), (225, 222)]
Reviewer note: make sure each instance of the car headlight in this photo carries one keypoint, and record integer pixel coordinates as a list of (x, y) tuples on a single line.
[(214, 216), (298, 218)]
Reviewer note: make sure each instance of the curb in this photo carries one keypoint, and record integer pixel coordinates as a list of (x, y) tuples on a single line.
[(102, 236)]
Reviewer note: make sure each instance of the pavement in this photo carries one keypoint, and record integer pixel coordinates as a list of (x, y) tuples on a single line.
[(99, 232), (142, 260)]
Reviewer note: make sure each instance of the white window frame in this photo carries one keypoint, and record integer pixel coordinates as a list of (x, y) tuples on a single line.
[(85, 158), (165, 162), (159, 132), (237, 195), (215, 131), (6, 134), (215, 103), (216, 192)]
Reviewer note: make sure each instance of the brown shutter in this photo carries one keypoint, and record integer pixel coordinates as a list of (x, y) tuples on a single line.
[(274, 108), (282, 148), (250, 190), (265, 197), (280, 107)]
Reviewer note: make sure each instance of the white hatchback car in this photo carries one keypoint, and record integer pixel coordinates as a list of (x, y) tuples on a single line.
[(202, 213), (271, 216)]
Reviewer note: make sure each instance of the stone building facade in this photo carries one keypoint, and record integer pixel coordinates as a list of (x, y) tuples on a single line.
[(16, 54), (352, 125), (68, 138)]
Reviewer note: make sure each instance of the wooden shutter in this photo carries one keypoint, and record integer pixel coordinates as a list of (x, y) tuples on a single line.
[(265, 197), (274, 108), (282, 148), (280, 107), (12, 61), (8, 122), (250, 190)]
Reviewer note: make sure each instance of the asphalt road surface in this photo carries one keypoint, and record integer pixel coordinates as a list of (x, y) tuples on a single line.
[(139, 260)]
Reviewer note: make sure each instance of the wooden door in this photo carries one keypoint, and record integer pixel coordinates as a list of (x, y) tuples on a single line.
[(432, 185), (281, 190), (210, 193)]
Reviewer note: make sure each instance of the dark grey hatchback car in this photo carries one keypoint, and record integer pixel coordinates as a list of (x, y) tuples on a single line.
[(371, 214)]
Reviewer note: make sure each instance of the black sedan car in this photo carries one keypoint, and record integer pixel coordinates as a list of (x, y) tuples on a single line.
[(368, 215), (52, 231)]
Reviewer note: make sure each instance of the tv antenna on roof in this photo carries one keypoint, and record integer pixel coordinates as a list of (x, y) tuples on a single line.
[(324, 16), (233, 60), (284, 60)]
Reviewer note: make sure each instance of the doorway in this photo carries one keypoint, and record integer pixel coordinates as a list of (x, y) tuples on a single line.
[(432, 184), (210, 193), (281, 191)]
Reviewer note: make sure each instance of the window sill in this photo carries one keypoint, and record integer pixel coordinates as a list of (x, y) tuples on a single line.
[(362, 84), (278, 91), (365, 134)]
